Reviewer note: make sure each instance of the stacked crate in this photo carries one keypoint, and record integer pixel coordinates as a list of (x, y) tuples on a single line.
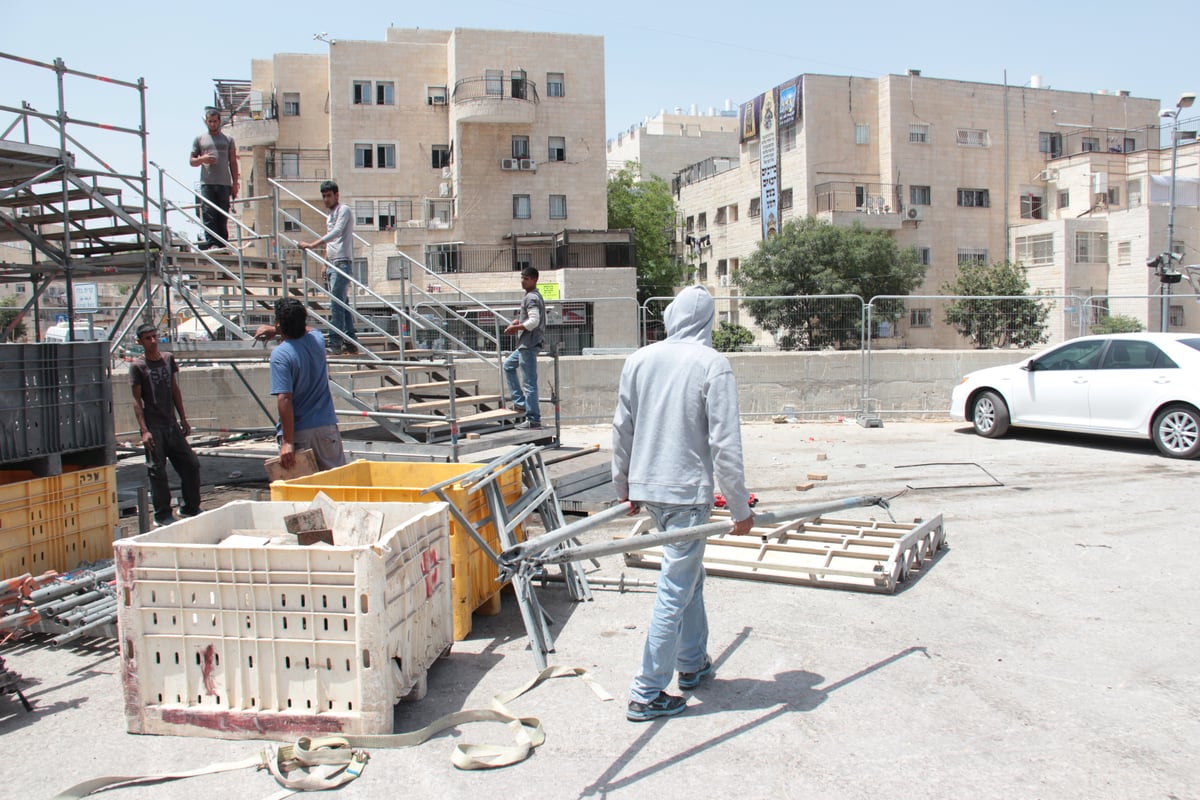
[(58, 482)]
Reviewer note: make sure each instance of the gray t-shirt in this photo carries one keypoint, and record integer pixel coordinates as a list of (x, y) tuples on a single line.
[(217, 174), (536, 337), (339, 234)]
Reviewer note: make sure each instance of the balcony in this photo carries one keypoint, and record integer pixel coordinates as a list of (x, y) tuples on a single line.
[(495, 100), (875, 206), (252, 132)]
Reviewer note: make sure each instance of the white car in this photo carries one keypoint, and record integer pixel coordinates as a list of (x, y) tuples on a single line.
[(1136, 385)]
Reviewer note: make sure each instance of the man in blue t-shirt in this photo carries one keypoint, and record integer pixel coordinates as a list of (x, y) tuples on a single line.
[(300, 383)]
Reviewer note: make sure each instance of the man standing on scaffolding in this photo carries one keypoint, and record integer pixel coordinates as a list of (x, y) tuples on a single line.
[(339, 251), (216, 155)]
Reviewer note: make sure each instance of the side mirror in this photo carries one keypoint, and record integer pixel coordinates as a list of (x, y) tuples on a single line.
[(1030, 366)]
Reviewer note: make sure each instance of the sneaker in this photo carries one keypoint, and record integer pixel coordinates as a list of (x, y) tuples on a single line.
[(690, 680), (665, 705), (161, 523), (527, 425)]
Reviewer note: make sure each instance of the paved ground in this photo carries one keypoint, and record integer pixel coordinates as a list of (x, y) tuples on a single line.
[(1049, 652)]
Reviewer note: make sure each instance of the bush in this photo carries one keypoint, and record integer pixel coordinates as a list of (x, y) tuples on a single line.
[(1118, 323), (730, 338)]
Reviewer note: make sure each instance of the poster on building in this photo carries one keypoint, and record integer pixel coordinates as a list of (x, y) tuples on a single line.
[(790, 95), (748, 118), (769, 166)]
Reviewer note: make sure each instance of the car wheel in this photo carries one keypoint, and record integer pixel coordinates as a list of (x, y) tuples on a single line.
[(1176, 431), (990, 415)]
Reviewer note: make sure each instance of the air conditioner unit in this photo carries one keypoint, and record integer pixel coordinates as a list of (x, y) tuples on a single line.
[(437, 99), (528, 163), (1048, 175), (508, 163), (723, 280), (913, 213), (445, 173), (444, 190)]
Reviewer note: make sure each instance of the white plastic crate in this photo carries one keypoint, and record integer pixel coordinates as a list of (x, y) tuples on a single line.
[(277, 641)]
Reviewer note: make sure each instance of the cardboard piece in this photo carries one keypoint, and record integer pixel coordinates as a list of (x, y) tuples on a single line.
[(305, 464)]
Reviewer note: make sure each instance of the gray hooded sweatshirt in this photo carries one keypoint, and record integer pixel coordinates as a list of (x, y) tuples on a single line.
[(676, 421)]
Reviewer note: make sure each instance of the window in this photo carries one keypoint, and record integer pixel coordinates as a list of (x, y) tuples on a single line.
[(555, 84), (920, 318), (972, 137), (1033, 206), (1137, 355), (974, 198), (439, 156), (721, 215), (926, 255), (520, 147), (364, 156), (364, 212), (519, 83), (520, 206), (1050, 143), (1090, 144), (968, 255), (558, 206), (442, 257), (439, 213), (387, 215), (1072, 356), (1091, 247), (920, 196), (1133, 191), (435, 95), (493, 81), (1130, 144), (722, 268), (362, 93), (358, 270), (785, 199), (918, 133), (557, 148), (1175, 317), (291, 104), (1064, 198), (787, 137), (289, 165), (702, 221), (733, 212), (1036, 251), (755, 207), (1114, 195), (290, 217), (385, 156), (703, 274), (862, 133), (385, 93), (1124, 254)]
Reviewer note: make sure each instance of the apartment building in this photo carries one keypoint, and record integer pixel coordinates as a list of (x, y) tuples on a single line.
[(961, 171), (667, 143), (472, 152)]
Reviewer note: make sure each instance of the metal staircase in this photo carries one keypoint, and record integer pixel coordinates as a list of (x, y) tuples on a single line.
[(87, 221)]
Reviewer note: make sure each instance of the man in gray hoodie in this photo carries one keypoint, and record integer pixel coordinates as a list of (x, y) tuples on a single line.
[(676, 424)]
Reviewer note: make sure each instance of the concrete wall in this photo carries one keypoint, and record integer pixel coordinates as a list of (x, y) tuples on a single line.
[(819, 385)]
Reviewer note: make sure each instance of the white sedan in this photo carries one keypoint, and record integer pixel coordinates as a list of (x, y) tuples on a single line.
[(1136, 385)]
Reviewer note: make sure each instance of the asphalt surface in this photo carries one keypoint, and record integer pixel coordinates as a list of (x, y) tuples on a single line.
[(1049, 651)]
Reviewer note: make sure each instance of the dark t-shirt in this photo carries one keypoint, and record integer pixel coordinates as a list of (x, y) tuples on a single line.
[(155, 378)]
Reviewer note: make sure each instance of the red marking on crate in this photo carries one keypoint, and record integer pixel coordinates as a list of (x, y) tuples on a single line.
[(206, 669), (291, 724)]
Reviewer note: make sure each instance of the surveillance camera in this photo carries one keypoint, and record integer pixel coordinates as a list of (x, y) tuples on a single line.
[(1177, 256), (1153, 261)]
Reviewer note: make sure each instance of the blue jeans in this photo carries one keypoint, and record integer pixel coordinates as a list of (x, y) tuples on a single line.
[(524, 392), (340, 316), (678, 636)]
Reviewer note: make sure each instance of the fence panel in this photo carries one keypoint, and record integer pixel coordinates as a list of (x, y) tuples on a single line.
[(773, 323)]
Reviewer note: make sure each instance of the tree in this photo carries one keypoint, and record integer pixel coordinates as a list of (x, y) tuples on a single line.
[(1012, 321), (809, 258), (9, 312), (646, 206), (1118, 323), (730, 338)]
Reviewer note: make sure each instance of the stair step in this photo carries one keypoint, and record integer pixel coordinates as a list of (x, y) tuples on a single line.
[(438, 405), (55, 218), (498, 415), (422, 388), (56, 198), (91, 233)]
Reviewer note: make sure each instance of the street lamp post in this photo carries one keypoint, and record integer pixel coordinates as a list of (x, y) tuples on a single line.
[(1185, 101)]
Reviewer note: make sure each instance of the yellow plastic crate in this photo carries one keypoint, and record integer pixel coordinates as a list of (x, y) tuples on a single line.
[(245, 640), (56, 522), (474, 580)]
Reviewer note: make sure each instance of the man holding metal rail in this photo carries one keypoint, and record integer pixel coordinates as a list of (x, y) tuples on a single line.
[(676, 424)]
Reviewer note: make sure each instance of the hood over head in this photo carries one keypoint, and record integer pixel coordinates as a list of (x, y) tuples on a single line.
[(689, 317)]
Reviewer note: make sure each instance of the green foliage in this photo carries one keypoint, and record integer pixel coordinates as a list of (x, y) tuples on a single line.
[(646, 206), (730, 338), (9, 312), (1118, 323), (996, 323), (808, 258)]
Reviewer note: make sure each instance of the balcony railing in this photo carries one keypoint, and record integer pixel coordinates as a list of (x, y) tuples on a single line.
[(492, 99), (867, 198)]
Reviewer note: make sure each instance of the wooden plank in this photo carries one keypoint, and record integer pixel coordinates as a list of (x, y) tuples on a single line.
[(305, 464), (55, 198), (497, 415), (436, 405)]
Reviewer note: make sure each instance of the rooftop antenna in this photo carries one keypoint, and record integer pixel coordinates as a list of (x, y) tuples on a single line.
[(324, 37)]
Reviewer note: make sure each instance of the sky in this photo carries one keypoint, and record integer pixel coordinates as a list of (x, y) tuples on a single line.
[(658, 56)]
